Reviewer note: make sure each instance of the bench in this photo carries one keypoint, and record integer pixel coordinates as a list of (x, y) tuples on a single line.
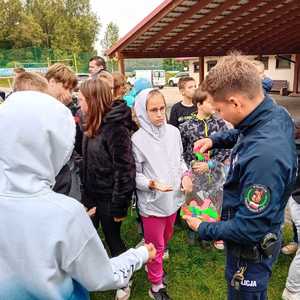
[(280, 86)]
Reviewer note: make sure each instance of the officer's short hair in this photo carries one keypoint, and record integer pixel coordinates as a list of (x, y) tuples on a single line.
[(234, 73)]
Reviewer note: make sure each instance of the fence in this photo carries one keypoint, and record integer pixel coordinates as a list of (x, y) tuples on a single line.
[(41, 59)]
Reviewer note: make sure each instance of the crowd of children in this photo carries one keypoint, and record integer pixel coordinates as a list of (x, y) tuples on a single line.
[(124, 146)]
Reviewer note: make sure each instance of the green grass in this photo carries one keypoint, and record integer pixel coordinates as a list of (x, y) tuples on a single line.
[(194, 272)]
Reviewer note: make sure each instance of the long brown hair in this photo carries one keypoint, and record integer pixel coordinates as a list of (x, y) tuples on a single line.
[(98, 97)]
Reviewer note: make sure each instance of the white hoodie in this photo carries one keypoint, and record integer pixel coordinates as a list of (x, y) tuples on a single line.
[(49, 248), (158, 156)]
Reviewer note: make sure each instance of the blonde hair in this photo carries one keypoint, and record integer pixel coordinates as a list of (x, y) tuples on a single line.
[(107, 77), (260, 66), (155, 92), (30, 81), (233, 74), (62, 73), (119, 85)]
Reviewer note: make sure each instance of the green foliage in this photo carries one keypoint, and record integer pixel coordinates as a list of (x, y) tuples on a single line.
[(170, 64), (111, 36), (65, 25)]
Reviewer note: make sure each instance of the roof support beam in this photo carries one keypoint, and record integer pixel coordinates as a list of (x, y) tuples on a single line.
[(223, 21), (210, 16), (189, 13), (251, 32)]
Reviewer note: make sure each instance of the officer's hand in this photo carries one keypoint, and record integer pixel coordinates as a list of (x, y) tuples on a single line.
[(151, 251), (203, 145), (187, 184), (200, 167), (193, 223)]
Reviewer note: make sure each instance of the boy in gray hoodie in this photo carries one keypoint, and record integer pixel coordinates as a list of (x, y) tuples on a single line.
[(161, 179)]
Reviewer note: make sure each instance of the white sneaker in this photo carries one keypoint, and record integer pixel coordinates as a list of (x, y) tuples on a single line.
[(123, 294), (287, 295), (140, 243), (166, 255)]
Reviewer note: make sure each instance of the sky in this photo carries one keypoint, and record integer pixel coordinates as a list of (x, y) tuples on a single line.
[(125, 13)]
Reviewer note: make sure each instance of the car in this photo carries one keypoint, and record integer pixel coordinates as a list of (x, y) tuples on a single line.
[(173, 81)]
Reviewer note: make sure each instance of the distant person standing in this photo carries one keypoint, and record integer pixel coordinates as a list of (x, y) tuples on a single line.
[(96, 65), (267, 82), (182, 110)]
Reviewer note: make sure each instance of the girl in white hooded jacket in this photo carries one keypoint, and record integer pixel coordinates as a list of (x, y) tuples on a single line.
[(161, 179), (49, 249)]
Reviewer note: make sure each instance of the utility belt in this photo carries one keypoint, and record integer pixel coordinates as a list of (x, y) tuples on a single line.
[(265, 249)]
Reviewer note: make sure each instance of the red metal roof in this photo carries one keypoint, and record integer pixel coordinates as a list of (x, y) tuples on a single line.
[(185, 28)]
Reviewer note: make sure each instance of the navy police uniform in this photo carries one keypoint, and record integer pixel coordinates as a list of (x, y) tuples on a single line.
[(260, 180)]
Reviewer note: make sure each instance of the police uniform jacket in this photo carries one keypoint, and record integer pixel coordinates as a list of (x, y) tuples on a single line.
[(259, 182)]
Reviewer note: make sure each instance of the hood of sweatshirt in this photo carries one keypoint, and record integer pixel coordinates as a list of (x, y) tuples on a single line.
[(142, 115), (37, 135), (120, 113)]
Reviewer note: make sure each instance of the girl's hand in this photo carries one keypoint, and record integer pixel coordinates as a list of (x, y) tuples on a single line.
[(187, 184), (200, 167), (151, 251), (154, 185), (91, 212), (119, 219)]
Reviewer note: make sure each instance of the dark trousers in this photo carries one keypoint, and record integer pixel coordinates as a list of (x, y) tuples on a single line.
[(112, 233), (257, 276)]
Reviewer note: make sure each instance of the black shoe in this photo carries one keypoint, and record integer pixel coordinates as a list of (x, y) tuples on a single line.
[(160, 295)]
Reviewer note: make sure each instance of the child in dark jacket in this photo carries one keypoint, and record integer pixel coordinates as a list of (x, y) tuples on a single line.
[(203, 124), (108, 163)]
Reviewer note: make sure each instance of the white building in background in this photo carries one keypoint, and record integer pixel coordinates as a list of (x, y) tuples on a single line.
[(275, 67)]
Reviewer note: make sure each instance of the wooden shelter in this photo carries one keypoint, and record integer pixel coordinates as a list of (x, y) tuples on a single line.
[(185, 28)]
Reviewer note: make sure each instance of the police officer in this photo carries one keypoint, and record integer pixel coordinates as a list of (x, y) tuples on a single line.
[(260, 178)]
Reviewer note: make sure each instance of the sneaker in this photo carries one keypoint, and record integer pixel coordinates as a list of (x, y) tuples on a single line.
[(290, 248), (219, 245), (287, 295), (160, 295), (166, 255), (123, 294), (140, 243)]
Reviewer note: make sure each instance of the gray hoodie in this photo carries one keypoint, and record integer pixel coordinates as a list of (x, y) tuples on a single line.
[(158, 156)]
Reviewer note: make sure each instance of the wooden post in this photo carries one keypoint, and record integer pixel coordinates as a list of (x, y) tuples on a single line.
[(121, 65), (296, 84), (201, 69)]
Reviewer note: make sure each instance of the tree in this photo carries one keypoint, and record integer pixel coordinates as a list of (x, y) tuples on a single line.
[(111, 36)]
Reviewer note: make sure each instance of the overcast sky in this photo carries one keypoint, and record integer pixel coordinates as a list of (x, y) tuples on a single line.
[(125, 13)]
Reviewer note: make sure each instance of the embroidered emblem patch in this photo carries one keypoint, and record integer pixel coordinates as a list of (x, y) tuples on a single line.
[(257, 198)]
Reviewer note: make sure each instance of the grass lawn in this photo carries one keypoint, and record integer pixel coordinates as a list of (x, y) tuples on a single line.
[(194, 273)]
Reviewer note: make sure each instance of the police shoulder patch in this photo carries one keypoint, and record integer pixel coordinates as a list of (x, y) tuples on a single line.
[(257, 198)]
